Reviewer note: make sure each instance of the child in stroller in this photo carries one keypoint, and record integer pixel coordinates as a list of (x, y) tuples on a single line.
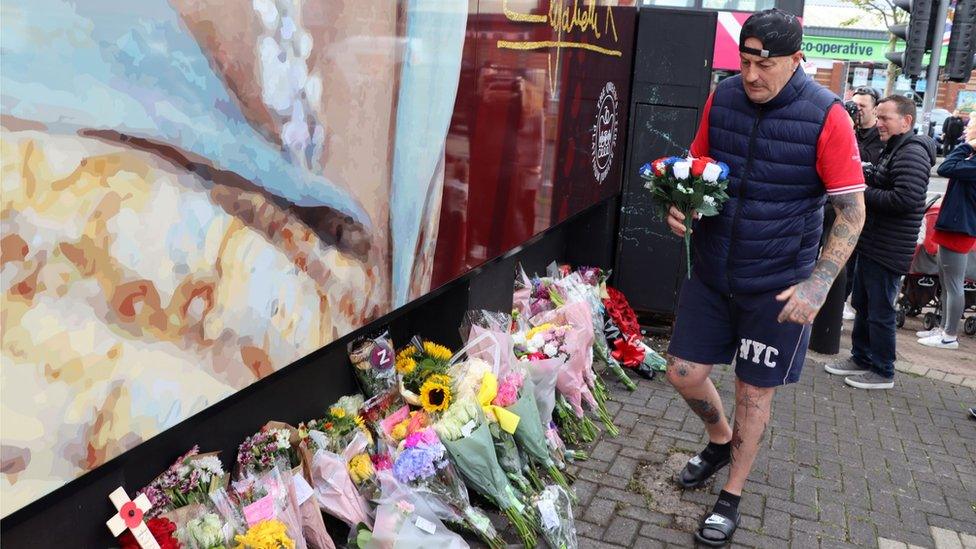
[(921, 289)]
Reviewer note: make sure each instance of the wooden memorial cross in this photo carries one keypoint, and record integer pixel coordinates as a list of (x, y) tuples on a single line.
[(130, 516)]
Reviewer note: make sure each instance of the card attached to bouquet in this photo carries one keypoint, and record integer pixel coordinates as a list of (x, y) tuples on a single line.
[(468, 428), (262, 509), (426, 525), (550, 519), (303, 490)]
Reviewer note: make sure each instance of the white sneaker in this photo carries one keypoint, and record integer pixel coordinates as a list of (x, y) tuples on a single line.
[(849, 312), (929, 333), (939, 343)]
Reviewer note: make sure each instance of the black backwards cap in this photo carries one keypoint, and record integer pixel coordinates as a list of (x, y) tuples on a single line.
[(781, 33)]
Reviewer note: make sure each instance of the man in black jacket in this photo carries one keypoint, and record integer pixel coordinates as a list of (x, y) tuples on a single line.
[(895, 200)]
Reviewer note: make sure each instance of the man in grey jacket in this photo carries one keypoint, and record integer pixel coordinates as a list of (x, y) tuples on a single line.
[(895, 201)]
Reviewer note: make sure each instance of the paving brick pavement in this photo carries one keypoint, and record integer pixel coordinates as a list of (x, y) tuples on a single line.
[(839, 467)]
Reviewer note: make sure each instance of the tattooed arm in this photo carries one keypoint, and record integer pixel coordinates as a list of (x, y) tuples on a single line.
[(804, 300)]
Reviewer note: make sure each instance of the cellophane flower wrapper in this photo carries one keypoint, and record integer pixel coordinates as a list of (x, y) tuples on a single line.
[(405, 520), (372, 359), (690, 185), (264, 496), (422, 463), (489, 339), (530, 433), (577, 289), (290, 461), (555, 509), (189, 480), (335, 492), (472, 451), (200, 526)]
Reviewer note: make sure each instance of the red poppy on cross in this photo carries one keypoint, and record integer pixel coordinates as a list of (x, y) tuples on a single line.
[(130, 516)]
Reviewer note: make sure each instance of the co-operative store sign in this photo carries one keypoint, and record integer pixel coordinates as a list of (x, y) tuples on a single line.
[(845, 49)]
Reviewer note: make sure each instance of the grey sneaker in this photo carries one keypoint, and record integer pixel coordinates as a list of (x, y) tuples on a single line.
[(846, 367), (870, 380)]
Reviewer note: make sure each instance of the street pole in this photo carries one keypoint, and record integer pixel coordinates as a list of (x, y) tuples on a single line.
[(932, 78)]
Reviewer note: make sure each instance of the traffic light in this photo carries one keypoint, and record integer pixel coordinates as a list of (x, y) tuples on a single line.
[(962, 42), (917, 35)]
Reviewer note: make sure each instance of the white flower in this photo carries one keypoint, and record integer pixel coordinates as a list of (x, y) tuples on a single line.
[(708, 200), (211, 465), (684, 189), (519, 338), (537, 341), (681, 169), (550, 350), (183, 471), (282, 439), (711, 172)]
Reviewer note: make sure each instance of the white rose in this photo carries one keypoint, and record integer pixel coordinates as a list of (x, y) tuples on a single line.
[(711, 172), (681, 169), (550, 350)]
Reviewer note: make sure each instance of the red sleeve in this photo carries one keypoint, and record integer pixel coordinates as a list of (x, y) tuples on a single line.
[(699, 147), (838, 160)]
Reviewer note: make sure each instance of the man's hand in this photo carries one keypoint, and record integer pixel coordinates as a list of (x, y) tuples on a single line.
[(676, 221), (803, 301)]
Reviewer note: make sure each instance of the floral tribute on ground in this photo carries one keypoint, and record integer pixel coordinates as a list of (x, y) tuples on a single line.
[(502, 416)]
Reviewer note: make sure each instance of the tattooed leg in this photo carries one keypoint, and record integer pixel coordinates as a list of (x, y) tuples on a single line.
[(692, 382), (752, 406)]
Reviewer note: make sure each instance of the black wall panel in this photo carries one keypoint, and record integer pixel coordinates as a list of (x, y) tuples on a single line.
[(672, 79)]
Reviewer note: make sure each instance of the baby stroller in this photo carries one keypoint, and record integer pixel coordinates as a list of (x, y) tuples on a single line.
[(922, 289)]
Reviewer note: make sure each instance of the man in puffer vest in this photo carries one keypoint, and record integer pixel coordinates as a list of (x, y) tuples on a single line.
[(757, 282), (895, 199)]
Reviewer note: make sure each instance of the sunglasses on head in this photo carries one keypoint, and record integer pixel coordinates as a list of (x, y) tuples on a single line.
[(868, 91)]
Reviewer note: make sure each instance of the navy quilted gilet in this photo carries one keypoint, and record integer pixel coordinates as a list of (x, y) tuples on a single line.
[(768, 234)]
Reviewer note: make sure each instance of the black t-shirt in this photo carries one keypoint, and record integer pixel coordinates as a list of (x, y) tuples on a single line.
[(869, 144)]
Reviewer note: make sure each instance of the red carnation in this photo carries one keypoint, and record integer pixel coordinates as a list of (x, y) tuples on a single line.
[(698, 167), (621, 313), (161, 528)]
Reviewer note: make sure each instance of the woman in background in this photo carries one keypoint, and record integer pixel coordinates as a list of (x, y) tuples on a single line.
[(955, 233)]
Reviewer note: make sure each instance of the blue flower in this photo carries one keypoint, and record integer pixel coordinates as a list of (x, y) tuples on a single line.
[(725, 170), (669, 161), (646, 170)]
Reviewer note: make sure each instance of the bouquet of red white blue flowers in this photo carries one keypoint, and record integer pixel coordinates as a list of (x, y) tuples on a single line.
[(692, 185)]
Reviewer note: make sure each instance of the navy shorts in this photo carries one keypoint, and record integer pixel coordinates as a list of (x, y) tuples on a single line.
[(715, 328)]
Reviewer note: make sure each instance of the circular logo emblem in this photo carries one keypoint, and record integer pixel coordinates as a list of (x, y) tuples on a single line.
[(605, 132), (382, 356)]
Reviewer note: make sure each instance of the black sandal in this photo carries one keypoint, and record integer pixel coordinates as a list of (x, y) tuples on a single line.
[(698, 470), (716, 530)]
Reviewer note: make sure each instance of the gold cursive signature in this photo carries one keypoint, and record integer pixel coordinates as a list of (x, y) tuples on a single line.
[(564, 20)]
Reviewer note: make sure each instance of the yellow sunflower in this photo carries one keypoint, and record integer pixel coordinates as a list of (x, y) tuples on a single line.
[(436, 351), (337, 412), (406, 352), (435, 396), (405, 365)]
